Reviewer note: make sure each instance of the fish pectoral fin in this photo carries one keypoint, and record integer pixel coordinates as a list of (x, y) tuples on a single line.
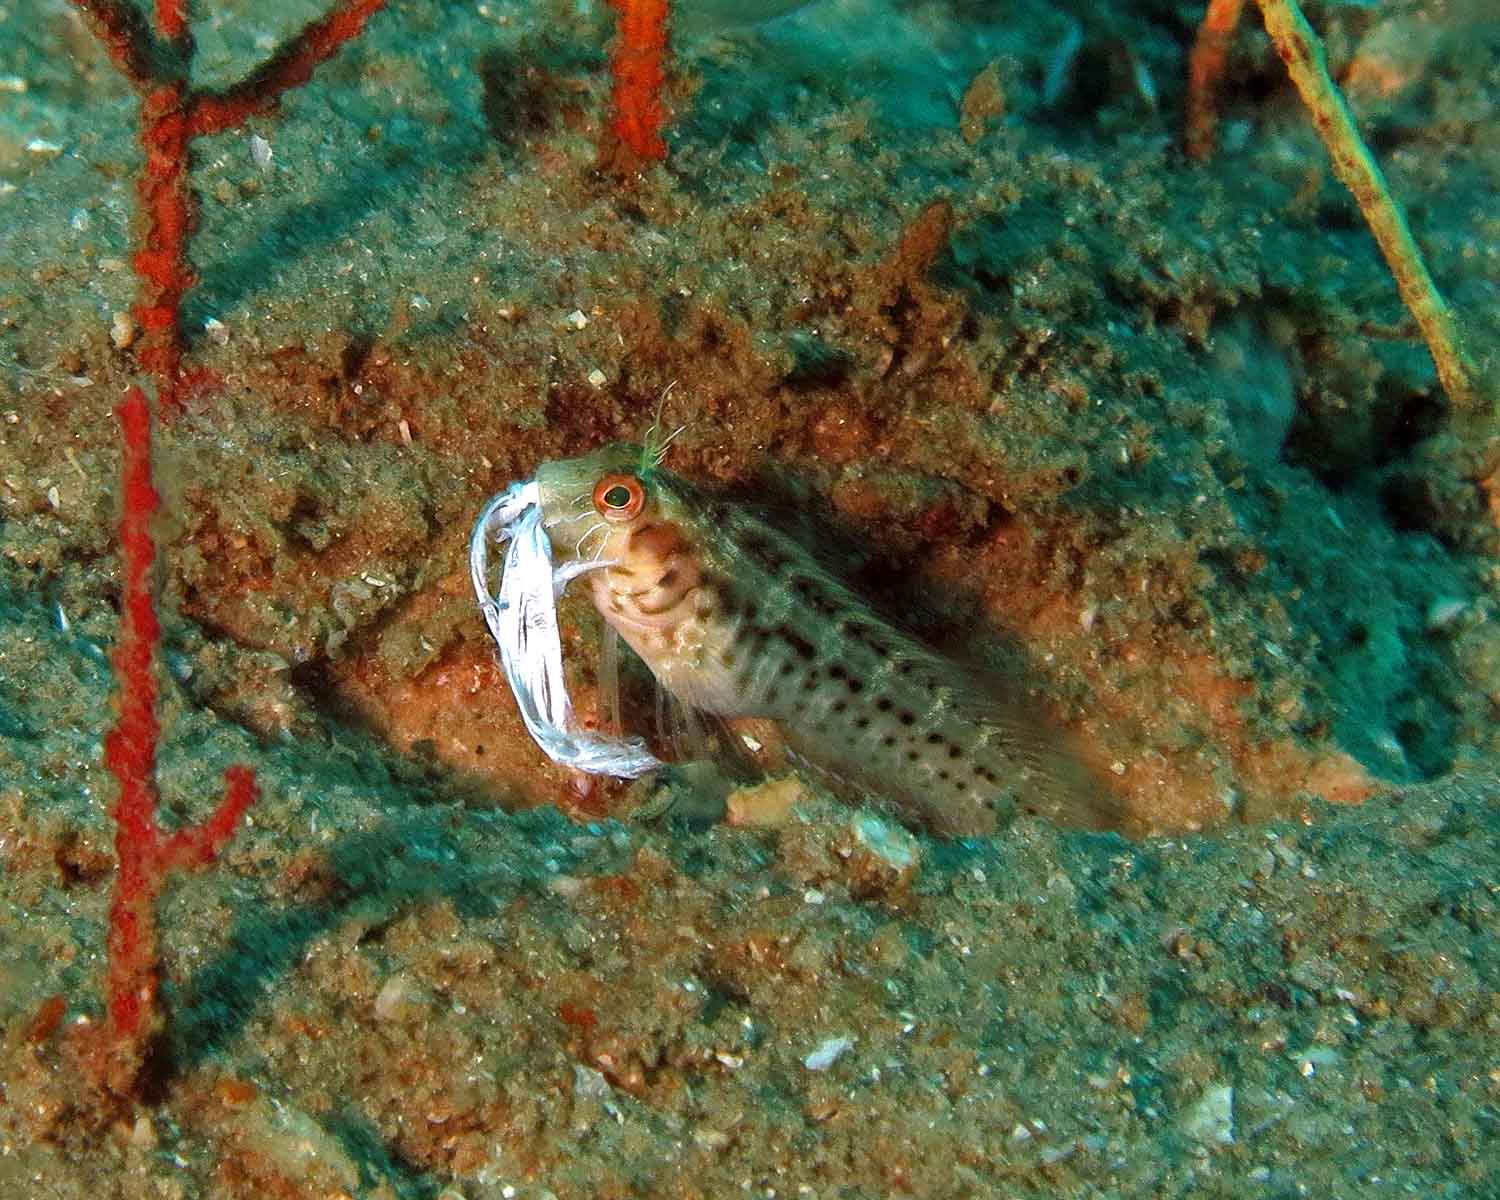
[(683, 729)]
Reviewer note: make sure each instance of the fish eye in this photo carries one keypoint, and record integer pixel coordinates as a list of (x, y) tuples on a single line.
[(619, 497)]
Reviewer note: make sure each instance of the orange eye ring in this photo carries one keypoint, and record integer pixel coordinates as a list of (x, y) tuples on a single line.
[(619, 497)]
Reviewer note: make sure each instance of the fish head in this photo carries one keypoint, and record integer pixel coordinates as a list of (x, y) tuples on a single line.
[(591, 506)]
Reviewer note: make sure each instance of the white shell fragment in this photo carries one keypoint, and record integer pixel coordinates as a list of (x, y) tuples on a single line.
[(1210, 1121), (523, 621), (827, 1052)]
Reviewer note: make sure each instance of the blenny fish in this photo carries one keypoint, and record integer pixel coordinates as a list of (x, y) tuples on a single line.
[(738, 619)]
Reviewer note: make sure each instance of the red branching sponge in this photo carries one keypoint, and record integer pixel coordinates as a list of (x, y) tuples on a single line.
[(146, 854), (172, 114), (634, 138), (1206, 64)]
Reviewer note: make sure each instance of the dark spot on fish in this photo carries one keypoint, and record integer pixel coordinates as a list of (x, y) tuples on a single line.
[(857, 633), (854, 685), (813, 595), (862, 722), (954, 751), (840, 705), (801, 645), (888, 740), (908, 718), (759, 547), (935, 739), (884, 704)]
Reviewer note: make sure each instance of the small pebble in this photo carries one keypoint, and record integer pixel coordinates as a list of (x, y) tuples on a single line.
[(1210, 1121), (827, 1053), (886, 841), (122, 330), (1443, 614), (143, 1134)]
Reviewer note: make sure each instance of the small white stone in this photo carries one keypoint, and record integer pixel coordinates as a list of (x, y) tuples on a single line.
[(260, 151), (576, 319), (122, 329), (218, 332), (43, 148), (828, 1052), (589, 1082), (143, 1134), (1444, 614), (1210, 1121), (13, 84), (399, 997), (598, 378), (887, 841)]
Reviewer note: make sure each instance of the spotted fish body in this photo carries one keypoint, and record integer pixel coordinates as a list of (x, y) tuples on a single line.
[(737, 619)]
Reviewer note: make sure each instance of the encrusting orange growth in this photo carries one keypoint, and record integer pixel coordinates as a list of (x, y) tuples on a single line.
[(639, 68), (1165, 723)]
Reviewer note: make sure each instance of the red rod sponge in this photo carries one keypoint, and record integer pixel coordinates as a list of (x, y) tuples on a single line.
[(146, 856), (639, 66)]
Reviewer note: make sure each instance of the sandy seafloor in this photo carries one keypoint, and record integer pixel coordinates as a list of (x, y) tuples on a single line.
[(1162, 430)]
